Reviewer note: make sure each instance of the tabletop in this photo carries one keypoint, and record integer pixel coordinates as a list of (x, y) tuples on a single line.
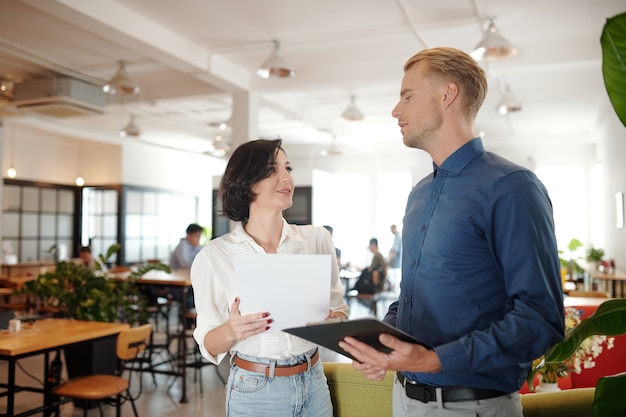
[(583, 301), (181, 277), (616, 276), (52, 333), (177, 277)]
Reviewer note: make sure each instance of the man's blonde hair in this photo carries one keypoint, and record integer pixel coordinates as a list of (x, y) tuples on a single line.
[(445, 64)]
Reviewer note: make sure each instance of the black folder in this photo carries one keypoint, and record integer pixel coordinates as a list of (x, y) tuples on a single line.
[(330, 333)]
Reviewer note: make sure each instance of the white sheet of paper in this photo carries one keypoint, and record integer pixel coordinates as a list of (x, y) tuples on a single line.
[(294, 289)]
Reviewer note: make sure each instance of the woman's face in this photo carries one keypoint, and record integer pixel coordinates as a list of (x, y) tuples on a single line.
[(276, 191)]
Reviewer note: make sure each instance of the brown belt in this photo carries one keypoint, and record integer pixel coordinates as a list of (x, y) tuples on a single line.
[(279, 370)]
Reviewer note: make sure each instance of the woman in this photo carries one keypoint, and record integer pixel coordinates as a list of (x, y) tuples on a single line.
[(255, 189)]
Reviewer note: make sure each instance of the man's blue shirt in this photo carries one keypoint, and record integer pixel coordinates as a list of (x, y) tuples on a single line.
[(480, 271)]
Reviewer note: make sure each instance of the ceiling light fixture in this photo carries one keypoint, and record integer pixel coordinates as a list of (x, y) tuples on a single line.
[(219, 148), (121, 83), (11, 172), (275, 65), (508, 103), (6, 90), (493, 46), (352, 112), (80, 181), (131, 129)]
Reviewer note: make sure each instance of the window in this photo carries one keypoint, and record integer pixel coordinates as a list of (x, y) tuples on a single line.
[(38, 221)]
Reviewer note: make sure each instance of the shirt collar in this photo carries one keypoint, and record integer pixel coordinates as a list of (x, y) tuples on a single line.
[(239, 234), (462, 156)]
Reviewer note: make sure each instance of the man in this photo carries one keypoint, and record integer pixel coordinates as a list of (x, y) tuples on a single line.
[(372, 278), (187, 248), (182, 257), (480, 270), (337, 250), (394, 258), (86, 258)]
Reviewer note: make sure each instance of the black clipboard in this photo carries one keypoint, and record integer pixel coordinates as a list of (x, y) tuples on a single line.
[(330, 333)]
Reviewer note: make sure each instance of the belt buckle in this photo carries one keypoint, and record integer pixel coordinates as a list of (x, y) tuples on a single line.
[(419, 393)]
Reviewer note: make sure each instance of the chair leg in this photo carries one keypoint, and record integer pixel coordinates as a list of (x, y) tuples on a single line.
[(132, 403), (118, 405)]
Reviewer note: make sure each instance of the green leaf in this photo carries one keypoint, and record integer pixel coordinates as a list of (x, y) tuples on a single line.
[(608, 320), (613, 42), (609, 390)]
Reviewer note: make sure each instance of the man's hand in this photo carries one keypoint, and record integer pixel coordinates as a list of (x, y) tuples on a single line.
[(404, 356)]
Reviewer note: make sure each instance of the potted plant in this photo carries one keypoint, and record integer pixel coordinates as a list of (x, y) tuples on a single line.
[(608, 320), (73, 291), (569, 260), (594, 256)]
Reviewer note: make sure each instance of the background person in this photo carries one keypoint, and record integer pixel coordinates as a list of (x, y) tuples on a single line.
[(337, 250), (480, 269), (187, 248), (394, 259), (256, 188), (86, 258)]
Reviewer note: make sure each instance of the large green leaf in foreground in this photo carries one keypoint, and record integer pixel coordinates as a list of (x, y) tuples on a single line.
[(613, 42)]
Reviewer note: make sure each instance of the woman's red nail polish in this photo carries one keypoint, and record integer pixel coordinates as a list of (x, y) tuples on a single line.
[(265, 314)]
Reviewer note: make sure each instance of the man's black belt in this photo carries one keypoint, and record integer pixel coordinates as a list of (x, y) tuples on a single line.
[(424, 393)]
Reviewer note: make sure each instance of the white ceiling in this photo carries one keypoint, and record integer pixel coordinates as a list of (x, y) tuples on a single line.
[(190, 56)]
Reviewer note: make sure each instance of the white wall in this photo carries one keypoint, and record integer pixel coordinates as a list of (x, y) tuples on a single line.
[(39, 155), (611, 153)]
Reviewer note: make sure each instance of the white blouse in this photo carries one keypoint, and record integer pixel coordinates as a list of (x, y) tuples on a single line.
[(214, 288)]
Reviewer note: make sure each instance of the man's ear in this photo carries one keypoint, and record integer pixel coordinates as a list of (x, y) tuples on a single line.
[(451, 93)]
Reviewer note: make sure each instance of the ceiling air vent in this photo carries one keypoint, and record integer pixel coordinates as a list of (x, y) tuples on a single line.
[(60, 97)]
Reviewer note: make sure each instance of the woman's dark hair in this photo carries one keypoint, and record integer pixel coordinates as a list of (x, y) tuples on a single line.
[(250, 163)]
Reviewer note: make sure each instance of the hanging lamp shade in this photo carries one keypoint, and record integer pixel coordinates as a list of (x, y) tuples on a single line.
[(352, 112), (493, 46), (131, 129), (275, 65), (508, 103), (121, 83)]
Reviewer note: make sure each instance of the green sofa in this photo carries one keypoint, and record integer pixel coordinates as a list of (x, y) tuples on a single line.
[(355, 396)]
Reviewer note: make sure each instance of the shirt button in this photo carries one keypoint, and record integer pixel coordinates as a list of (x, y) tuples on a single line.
[(407, 299), (413, 263), (435, 193), (422, 228)]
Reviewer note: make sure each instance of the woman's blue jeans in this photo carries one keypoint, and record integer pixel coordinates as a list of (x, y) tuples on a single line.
[(251, 394)]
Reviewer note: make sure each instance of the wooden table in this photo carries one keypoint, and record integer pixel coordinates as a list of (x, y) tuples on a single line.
[(614, 283), (583, 301), (43, 337)]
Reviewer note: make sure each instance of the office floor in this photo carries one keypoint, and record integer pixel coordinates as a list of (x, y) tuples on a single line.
[(163, 399)]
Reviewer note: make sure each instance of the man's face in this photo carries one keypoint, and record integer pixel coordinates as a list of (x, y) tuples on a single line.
[(194, 238), (418, 112)]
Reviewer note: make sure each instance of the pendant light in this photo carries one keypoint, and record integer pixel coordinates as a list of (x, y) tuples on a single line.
[(80, 181), (508, 103), (275, 65), (131, 129), (352, 113), (121, 83), (493, 46), (11, 172)]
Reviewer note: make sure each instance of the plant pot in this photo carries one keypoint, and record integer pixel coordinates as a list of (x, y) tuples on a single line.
[(547, 387)]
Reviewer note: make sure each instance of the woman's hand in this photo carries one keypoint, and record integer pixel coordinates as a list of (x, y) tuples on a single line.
[(241, 327)]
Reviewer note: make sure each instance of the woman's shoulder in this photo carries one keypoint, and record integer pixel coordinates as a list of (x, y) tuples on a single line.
[(307, 230)]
